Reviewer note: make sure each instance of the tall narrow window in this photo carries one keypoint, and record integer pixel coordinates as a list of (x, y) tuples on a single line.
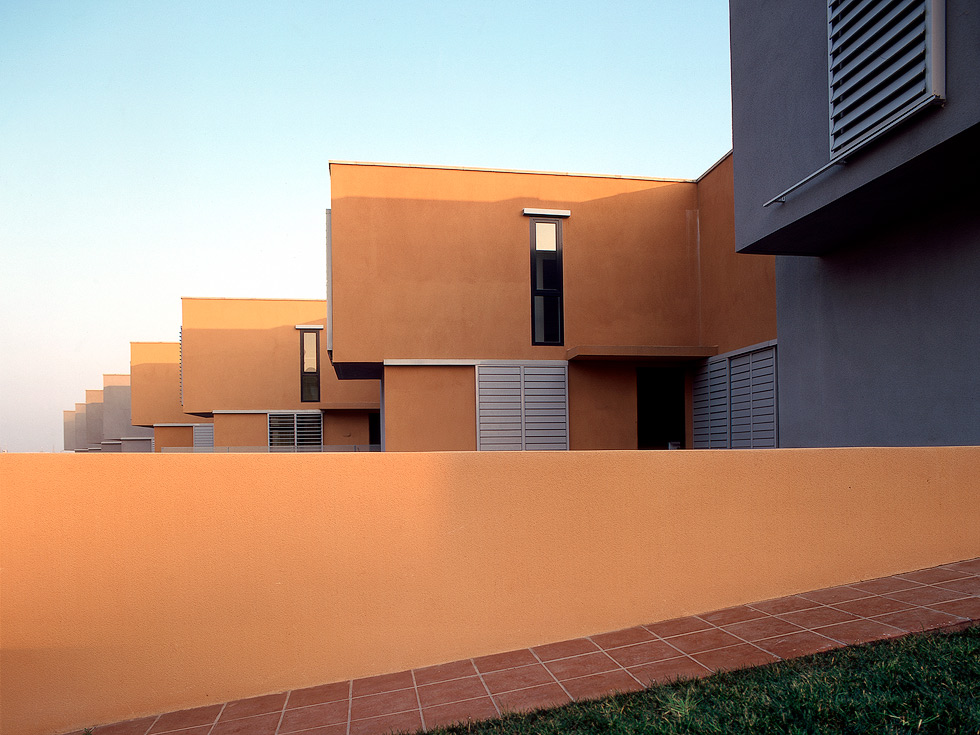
[(547, 326), (309, 377)]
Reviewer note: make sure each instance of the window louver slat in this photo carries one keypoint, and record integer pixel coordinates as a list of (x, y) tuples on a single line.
[(521, 407), (884, 63)]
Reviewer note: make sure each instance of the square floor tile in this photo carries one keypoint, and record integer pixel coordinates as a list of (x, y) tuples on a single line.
[(967, 585), (318, 695), (970, 566), (386, 703), (818, 617), (703, 641), (254, 725), (678, 626), (525, 700), (444, 672), (564, 649), (968, 607), (869, 607), (784, 604), (623, 637), (670, 669), (643, 653), (918, 619), (401, 722), (508, 660), (316, 715), (927, 595), (831, 595), (253, 706), (797, 644), (589, 663), (731, 615), (454, 690), (518, 678), (459, 712), (934, 576), (860, 631), (734, 657), (601, 685), (129, 727), (186, 718), (383, 683), (767, 627), (884, 585)]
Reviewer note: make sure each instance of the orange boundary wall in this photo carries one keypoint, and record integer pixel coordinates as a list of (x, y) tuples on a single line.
[(135, 584)]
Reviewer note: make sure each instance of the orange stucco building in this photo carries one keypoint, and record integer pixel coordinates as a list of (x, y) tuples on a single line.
[(259, 369), (155, 376), (523, 310)]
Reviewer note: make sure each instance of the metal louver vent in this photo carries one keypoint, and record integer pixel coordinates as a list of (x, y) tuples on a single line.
[(301, 432), (522, 407), (887, 61), (735, 401), (203, 436)]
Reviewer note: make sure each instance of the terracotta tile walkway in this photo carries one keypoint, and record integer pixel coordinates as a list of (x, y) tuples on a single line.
[(947, 596)]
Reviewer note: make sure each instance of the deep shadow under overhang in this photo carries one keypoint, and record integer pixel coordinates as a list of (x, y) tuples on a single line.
[(641, 353)]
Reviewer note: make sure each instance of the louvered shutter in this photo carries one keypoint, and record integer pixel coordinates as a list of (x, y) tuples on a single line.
[(711, 405), (309, 432), (735, 401), (753, 399), (885, 62), (522, 407), (203, 436), (500, 410)]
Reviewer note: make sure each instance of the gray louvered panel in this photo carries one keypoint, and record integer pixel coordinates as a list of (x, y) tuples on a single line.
[(203, 436), (711, 396), (883, 64)]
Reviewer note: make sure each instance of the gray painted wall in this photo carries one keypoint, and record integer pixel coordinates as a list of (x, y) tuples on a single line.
[(780, 117), (880, 345), (879, 336)]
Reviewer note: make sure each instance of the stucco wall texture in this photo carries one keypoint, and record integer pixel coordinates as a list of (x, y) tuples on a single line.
[(135, 584), (241, 354)]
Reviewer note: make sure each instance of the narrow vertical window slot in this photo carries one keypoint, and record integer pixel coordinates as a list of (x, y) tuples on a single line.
[(547, 327)]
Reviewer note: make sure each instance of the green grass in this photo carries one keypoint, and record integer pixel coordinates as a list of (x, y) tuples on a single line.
[(918, 684)]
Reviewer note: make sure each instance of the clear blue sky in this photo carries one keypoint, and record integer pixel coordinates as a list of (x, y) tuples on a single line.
[(154, 150)]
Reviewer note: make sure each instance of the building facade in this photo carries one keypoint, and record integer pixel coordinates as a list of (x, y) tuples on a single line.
[(853, 123), (529, 310)]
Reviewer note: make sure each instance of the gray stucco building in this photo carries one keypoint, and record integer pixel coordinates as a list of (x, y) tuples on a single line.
[(856, 144)]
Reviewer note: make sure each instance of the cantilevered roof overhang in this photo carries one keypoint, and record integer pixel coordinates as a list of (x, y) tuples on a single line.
[(641, 353)]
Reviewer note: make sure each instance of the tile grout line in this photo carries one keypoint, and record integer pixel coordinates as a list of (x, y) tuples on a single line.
[(217, 717), (541, 663), (282, 712), (418, 700), (683, 654), (350, 702), (623, 668), (485, 687)]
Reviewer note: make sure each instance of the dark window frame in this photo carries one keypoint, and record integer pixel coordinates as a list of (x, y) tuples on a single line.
[(555, 293), (309, 382)]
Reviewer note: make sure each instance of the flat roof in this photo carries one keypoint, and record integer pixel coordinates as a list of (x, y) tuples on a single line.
[(514, 171)]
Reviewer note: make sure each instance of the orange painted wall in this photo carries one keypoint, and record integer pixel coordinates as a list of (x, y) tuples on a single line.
[(431, 408), (345, 428), (602, 405), (155, 380), (241, 354), (241, 430), (172, 436), (126, 590), (434, 263), (738, 292)]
